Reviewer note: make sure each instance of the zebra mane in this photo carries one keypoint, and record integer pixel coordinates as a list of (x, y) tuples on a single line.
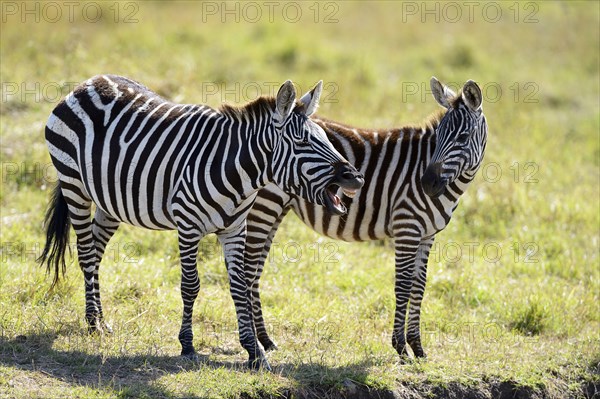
[(256, 108), (433, 120), (458, 100), (429, 124)]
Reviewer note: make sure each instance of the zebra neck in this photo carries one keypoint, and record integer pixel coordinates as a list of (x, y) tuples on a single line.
[(424, 140), (235, 149), (255, 152)]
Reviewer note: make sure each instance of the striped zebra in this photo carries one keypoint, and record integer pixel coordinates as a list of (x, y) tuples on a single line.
[(152, 163), (414, 177)]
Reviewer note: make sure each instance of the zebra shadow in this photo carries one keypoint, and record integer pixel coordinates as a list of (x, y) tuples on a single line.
[(124, 375), (138, 375)]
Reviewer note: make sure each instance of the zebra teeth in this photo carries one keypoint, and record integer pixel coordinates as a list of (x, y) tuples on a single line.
[(349, 193)]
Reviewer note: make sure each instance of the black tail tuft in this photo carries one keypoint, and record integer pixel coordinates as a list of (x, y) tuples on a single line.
[(57, 225)]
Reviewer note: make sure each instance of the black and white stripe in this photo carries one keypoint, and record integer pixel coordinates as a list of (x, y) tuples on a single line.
[(152, 163), (414, 177)]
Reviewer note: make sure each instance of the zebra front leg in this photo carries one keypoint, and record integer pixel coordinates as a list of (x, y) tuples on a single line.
[(190, 286), (262, 224), (233, 248), (103, 228), (259, 322), (254, 262), (405, 252), (252, 272), (413, 330)]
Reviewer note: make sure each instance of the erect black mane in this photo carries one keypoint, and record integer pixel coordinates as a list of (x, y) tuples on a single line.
[(260, 106)]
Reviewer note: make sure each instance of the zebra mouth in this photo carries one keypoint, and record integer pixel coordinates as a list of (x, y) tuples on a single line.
[(437, 190), (433, 184), (349, 192), (333, 202)]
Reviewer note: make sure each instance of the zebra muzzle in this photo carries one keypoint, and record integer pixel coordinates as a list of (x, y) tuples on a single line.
[(433, 184), (349, 180)]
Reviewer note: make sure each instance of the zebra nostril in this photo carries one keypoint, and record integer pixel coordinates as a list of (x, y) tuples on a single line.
[(348, 175)]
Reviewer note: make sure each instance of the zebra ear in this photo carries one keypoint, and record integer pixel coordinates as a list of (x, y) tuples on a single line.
[(311, 99), (286, 98), (442, 93), (471, 95)]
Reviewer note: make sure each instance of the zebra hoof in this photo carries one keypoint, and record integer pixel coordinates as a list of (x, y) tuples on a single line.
[(416, 346), (99, 328), (420, 354), (105, 328), (190, 354), (270, 346), (260, 363)]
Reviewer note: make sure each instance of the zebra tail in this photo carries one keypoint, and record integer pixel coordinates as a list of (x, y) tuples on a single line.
[(57, 225)]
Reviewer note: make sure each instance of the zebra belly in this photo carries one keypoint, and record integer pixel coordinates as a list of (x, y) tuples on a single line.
[(130, 202), (355, 225)]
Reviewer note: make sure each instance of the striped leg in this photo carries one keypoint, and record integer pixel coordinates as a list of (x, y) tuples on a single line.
[(103, 228), (413, 331), (406, 245), (80, 212), (233, 248), (190, 286), (260, 234)]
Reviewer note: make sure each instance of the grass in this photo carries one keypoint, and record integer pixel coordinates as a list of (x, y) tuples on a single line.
[(511, 306)]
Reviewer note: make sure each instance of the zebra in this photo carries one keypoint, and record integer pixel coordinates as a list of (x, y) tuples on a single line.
[(151, 163), (414, 177)]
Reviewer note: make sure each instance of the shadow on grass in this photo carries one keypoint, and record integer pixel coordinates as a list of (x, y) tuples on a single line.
[(126, 376), (136, 376)]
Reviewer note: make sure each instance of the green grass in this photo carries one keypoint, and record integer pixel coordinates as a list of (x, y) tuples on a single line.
[(512, 300)]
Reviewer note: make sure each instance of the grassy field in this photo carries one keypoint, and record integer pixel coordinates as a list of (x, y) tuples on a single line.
[(512, 301)]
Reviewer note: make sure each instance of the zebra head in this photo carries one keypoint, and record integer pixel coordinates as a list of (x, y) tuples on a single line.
[(460, 138), (305, 163)]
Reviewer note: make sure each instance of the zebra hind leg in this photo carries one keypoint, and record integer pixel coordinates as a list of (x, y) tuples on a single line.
[(80, 215), (103, 228)]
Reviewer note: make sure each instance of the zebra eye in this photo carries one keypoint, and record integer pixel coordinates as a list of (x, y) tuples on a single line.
[(463, 137)]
